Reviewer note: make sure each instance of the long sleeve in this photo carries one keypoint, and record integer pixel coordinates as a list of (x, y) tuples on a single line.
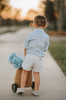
[(47, 44), (26, 43)]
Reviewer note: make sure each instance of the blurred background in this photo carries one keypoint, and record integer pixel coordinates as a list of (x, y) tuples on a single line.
[(22, 12), (15, 14)]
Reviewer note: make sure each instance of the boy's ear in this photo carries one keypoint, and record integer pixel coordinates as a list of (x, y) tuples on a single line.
[(34, 24), (45, 26)]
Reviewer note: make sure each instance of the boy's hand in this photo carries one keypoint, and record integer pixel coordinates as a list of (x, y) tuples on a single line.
[(25, 52), (44, 50)]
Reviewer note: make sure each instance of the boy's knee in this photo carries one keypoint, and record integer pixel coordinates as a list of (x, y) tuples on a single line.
[(25, 71), (36, 74)]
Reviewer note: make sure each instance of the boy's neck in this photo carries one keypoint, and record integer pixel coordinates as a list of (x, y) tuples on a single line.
[(39, 27)]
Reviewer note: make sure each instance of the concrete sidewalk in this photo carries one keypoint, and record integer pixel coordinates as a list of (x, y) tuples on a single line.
[(53, 84), (8, 28), (53, 81)]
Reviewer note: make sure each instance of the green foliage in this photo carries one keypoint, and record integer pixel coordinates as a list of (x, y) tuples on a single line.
[(64, 24), (49, 10), (58, 51)]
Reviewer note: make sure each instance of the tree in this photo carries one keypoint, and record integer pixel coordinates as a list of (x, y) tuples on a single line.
[(49, 12), (31, 14), (3, 5), (61, 10), (8, 12), (17, 13)]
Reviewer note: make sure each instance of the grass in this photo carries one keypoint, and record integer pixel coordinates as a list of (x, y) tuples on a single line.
[(58, 51)]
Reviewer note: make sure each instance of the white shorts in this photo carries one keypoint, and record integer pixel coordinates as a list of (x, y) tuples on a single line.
[(33, 62)]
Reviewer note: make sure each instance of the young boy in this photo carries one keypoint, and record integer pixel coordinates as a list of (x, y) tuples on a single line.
[(35, 45)]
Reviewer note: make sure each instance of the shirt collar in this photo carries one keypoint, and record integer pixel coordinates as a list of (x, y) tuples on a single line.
[(39, 29)]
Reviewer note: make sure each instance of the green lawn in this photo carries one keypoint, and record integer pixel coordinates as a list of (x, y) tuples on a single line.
[(58, 51)]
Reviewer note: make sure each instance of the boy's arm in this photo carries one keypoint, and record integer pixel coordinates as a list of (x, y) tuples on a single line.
[(25, 52), (26, 44), (47, 44), (44, 50)]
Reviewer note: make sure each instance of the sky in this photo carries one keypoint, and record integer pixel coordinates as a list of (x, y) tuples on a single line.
[(25, 5)]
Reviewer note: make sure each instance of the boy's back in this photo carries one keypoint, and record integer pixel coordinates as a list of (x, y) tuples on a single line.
[(36, 42)]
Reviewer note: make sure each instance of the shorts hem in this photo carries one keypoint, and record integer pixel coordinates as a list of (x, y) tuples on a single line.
[(26, 69), (37, 71)]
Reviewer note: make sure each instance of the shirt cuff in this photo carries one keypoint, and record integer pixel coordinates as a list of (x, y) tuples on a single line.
[(25, 46)]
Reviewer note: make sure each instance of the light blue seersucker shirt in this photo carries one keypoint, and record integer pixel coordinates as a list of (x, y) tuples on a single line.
[(36, 42)]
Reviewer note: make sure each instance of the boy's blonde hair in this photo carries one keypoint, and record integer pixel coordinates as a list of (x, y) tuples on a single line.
[(40, 20)]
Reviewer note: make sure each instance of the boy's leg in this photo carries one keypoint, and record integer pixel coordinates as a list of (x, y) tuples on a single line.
[(24, 78), (23, 81), (37, 80)]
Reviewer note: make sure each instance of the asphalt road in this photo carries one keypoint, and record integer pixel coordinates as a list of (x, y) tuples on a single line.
[(53, 81)]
